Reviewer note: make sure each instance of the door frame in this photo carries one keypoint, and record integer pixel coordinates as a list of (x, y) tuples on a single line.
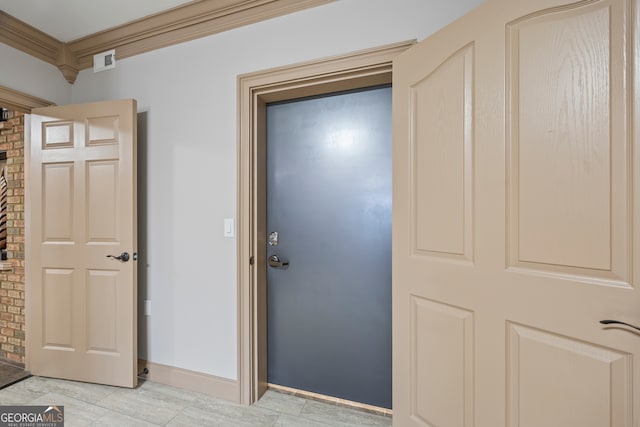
[(17, 100), (346, 72)]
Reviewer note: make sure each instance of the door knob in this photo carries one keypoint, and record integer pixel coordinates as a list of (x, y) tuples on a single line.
[(276, 262), (124, 257), (617, 322)]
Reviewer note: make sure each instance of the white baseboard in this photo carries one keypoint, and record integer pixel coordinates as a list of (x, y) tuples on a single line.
[(221, 388)]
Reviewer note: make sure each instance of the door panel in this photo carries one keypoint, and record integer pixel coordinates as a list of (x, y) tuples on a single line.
[(563, 119), (442, 216), (82, 304), (444, 357), (545, 369), (517, 120), (329, 198)]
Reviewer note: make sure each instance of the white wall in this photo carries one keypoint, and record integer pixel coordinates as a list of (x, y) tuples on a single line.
[(27, 74), (187, 94)]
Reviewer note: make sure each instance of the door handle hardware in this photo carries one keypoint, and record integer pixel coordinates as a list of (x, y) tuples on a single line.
[(276, 262), (124, 257), (617, 322), (273, 238)]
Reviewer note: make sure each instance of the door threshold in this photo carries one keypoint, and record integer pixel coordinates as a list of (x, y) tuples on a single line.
[(332, 400)]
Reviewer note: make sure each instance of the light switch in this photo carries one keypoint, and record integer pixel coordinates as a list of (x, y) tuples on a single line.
[(228, 227)]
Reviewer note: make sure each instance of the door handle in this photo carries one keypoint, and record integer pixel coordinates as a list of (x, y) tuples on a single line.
[(617, 322), (276, 262), (123, 257)]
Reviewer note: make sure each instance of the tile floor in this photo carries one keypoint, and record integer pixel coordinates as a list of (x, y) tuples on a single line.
[(153, 404), (10, 373)]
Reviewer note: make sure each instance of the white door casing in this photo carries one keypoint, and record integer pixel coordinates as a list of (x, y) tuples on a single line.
[(81, 184), (516, 218)]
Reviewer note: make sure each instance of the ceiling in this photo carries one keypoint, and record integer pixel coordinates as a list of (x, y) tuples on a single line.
[(68, 20), (71, 32)]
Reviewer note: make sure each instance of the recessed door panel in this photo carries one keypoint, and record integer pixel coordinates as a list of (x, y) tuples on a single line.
[(103, 130), (57, 308), (442, 348), (57, 134), (329, 200), (441, 142), (102, 313), (102, 201), (553, 379), (568, 139), (58, 202)]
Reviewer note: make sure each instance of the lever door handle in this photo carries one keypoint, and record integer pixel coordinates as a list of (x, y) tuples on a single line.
[(124, 257), (617, 322), (275, 262)]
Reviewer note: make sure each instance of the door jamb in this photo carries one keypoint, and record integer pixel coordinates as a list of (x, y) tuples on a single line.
[(352, 71)]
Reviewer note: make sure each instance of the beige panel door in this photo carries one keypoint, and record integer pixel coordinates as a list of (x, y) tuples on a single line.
[(81, 304), (516, 218)]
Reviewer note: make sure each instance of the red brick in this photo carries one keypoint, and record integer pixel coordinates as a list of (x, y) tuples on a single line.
[(15, 357), (12, 319)]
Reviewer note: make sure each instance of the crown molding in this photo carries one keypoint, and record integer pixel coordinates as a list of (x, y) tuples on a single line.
[(28, 39), (20, 101), (188, 22)]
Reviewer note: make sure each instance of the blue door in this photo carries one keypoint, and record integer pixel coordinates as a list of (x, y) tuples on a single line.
[(329, 225)]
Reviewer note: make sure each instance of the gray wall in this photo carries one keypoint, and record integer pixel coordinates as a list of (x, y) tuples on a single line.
[(187, 94)]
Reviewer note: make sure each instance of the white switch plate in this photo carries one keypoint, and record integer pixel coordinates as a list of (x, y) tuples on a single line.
[(229, 228), (147, 307)]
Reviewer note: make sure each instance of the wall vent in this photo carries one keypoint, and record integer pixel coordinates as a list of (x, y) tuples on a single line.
[(104, 61)]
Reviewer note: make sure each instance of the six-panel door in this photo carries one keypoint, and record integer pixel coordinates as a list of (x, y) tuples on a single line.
[(82, 192)]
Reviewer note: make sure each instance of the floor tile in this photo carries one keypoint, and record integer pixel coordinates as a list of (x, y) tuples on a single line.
[(77, 413), (168, 391), (193, 416), (112, 418), (87, 392), (239, 415), (286, 420), (340, 416), (146, 403), (281, 402), (22, 393), (153, 404)]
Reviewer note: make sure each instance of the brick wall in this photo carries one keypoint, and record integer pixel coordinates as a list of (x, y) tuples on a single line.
[(12, 313)]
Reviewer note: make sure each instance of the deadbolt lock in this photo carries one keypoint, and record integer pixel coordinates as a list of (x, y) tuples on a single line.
[(273, 238)]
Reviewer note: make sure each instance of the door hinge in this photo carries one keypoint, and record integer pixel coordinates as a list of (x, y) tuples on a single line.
[(251, 260)]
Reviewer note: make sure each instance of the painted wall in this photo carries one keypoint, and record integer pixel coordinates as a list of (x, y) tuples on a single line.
[(188, 118), (27, 74)]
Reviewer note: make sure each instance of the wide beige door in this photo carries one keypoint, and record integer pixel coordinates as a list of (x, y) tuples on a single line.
[(517, 218), (81, 303)]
